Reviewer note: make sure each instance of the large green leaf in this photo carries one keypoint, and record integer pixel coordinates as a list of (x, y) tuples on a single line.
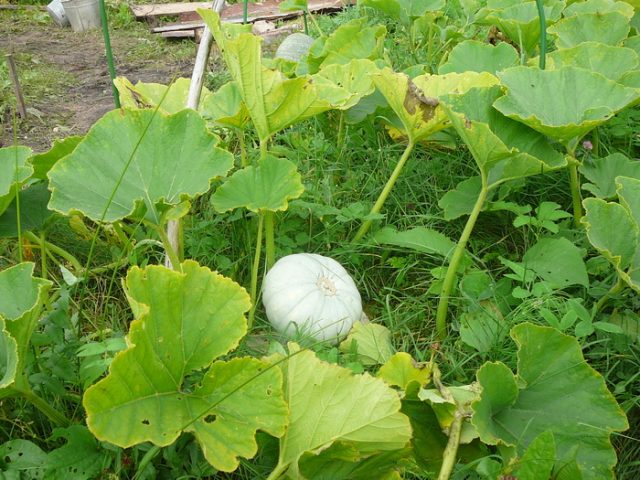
[(554, 391), (610, 28), (601, 6), (475, 56), (344, 85), (416, 102), (609, 61), (519, 20), (157, 161), (268, 186), (546, 100), (349, 41), (183, 322), (327, 403), (614, 229), (14, 172), (80, 458), (22, 459), (602, 173), (502, 148), (272, 100), (21, 299)]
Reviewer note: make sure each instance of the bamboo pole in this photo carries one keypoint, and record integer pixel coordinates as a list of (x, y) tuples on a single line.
[(193, 99), (13, 74)]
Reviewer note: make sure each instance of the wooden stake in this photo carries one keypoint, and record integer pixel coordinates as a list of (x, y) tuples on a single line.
[(13, 73)]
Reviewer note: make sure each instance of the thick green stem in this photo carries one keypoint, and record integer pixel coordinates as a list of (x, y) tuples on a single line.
[(52, 414), (277, 472), (364, 228), (341, 132), (264, 144), (576, 198), (607, 296), (269, 236), (43, 256), (150, 455), (452, 270), (253, 290), (46, 246), (451, 450), (168, 247)]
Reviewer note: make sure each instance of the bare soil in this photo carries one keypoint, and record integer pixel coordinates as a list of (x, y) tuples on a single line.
[(74, 89)]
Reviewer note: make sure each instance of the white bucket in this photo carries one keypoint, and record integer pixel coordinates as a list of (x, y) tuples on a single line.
[(82, 14), (56, 12)]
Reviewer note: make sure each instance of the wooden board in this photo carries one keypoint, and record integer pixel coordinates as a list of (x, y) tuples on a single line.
[(268, 10)]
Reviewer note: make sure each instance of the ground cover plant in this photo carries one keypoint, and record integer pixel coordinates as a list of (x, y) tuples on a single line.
[(475, 174)]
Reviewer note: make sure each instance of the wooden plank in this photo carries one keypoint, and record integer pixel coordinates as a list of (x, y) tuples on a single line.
[(180, 34), (268, 10), (151, 10), (260, 12)]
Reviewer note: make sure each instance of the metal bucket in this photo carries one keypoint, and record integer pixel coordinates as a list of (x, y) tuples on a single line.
[(57, 14), (82, 14)]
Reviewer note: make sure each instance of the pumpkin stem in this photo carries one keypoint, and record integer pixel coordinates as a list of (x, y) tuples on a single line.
[(254, 271)]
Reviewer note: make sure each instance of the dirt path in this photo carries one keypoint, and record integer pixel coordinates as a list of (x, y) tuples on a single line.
[(65, 77)]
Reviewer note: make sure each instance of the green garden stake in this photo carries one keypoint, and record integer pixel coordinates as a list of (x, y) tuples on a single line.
[(245, 12), (109, 53), (543, 34), (306, 22)]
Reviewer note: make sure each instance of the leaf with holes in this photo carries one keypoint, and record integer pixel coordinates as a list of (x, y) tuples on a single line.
[(327, 403), (555, 390), (22, 459), (80, 458), (183, 322), (158, 161)]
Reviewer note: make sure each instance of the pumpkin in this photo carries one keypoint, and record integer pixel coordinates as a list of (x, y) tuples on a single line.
[(311, 295)]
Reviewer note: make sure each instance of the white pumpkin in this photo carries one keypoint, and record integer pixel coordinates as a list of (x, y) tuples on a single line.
[(312, 295)]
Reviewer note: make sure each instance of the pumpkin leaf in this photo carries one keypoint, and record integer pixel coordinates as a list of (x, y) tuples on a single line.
[(514, 410), (21, 299), (609, 61), (475, 56), (502, 148), (602, 173), (625, 8), (225, 107), (183, 322), (22, 459), (272, 100), (372, 343), (538, 459), (401, 370), (33, 212), (416, 102), (142, 173), (43, 162), (343, 461), (80, 458), (420, 239), (344, 85), (172, 98), (545, 100), (14, 172), (519, 20), (327, 403), (403, 10), (268, 186), (558, 262), (351, 40), (614, 229), (610, 28)]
